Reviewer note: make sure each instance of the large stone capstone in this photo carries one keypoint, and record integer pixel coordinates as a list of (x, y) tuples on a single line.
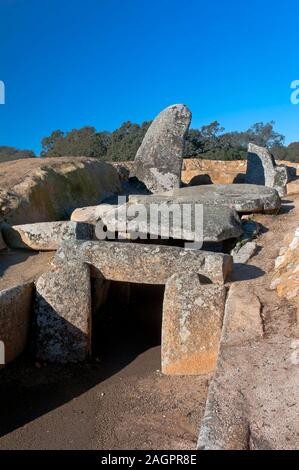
[(45, 236), (189, 222), (244, 198), (158, 161), (262, 169), (143, 263)]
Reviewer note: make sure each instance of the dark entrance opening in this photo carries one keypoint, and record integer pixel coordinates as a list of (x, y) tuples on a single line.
[(128, 323)]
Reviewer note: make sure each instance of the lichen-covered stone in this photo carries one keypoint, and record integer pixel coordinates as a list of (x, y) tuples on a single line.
[(45, 236), (143, 263), (178, 221), (243, 316), (15, 314), (91, 214), (63, 314), (191, 329), (158, 161), (262, 169), (244, 198)]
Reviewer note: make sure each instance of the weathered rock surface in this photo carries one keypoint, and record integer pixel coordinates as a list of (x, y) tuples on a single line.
[(182, 222), (143, 263), (245, 252), (192, 320), (286, 276), (92, 214), (262, 169), (158, 161), (47, 189), (63, 314), (243, 316), (45, 236), (15, 314), (243, 198)]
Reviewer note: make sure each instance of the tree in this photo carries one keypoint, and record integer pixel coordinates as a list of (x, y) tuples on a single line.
[(11, 153), (126, 140), (293, 152)]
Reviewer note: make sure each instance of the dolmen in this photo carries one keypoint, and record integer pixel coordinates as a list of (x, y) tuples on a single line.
[(193, 303)]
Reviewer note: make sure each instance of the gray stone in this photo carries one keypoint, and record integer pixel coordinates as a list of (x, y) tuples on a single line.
[(244, 198), (91, 214), (262, 169), (241, 254), (179, 221), (143, 263), (63, 314), (15, 314), (243, 316), (191, 328), (45, 236), (158, 161)]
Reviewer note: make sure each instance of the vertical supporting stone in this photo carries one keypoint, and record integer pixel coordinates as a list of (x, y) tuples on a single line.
[(63, 314), (15, 313), (191, 328)]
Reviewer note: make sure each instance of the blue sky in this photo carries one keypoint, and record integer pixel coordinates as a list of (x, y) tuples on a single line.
[(70, 63)]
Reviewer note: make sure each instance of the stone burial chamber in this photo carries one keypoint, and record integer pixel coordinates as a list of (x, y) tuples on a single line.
[(193, 303)]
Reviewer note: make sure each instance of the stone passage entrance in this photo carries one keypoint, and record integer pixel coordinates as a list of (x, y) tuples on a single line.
[(193, 303)]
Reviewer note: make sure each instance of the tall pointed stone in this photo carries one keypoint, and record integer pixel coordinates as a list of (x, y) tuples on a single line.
[(158, 161)]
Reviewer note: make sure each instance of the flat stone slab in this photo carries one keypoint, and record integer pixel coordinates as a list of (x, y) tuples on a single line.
[(244, 198), (191, 327), (143, 263), (91, 214), (45, 236), (159, 159), (63, 314), (189, 222)]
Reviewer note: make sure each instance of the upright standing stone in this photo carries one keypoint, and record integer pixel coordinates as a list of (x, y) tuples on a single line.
[(63, 314), (262, 169), (192, 321), (158, 161)]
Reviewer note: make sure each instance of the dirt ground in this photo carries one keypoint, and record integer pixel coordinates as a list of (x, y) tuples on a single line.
[(120, 399)]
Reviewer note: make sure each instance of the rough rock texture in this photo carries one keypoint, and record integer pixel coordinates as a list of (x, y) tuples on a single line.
[(262, 169), (47, 189), (45, 236), (158, 161), (63, 314), (243, 316), (192, 320), (245, 252), (15, 314), (92, 214), (2, 242), (220, 171), (286, 275), (243, 198), (182, 222), (143, 263)]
